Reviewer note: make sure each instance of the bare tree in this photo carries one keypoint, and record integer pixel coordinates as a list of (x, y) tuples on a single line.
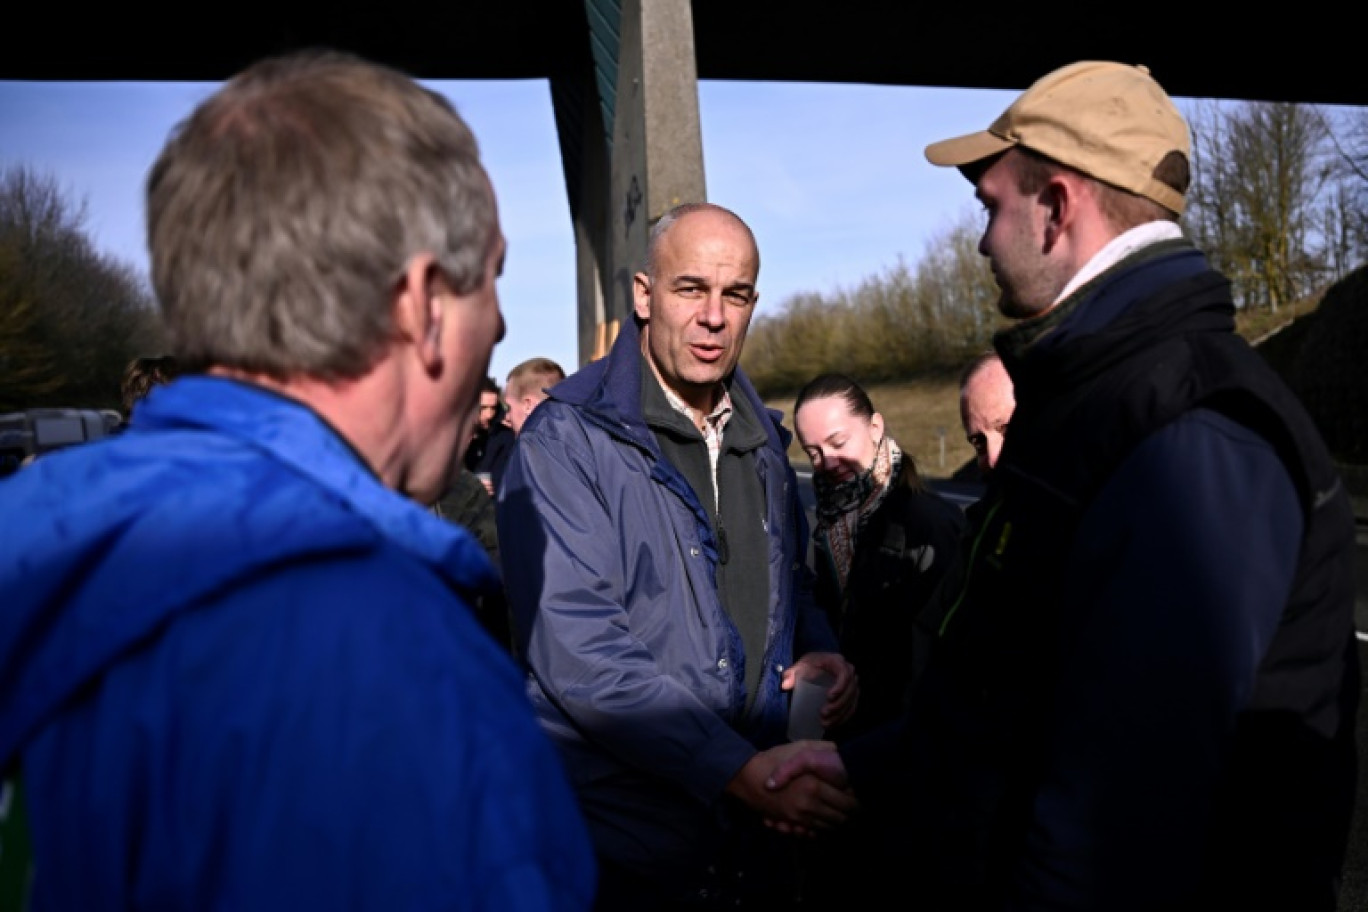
[(960, 279), (70, 318), (1348, 133), (1211, 218), (1263, 182)]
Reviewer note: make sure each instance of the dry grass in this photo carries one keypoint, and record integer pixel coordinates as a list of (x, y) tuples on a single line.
[(922, 415), (1256, 325)]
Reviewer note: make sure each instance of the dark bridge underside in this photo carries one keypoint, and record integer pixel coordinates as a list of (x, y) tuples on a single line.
[(1310, 54)]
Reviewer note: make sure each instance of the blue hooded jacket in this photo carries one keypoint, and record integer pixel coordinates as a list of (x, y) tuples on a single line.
[(236, 671)]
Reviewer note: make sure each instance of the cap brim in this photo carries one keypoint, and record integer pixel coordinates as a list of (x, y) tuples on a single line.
[(965, 150)]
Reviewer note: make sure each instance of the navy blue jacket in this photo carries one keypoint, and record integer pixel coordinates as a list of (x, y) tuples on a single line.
[(635, 668)]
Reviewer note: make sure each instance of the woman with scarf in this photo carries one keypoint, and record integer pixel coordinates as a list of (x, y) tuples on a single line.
[(882, 540)]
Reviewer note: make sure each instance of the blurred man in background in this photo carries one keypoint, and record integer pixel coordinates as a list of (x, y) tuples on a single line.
[(489, 422), (526, 387)]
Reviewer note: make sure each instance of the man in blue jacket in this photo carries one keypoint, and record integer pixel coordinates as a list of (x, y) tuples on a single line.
[(1142, 693), (240, 666), (655, 542)]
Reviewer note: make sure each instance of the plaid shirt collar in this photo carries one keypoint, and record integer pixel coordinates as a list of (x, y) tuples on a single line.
[(713, 423)]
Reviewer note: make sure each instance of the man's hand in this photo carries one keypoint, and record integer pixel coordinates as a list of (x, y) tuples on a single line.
[(845, 691), (802, 763), (806, 758), (802, 804)]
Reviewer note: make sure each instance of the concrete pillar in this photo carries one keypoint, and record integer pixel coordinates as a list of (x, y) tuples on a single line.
[(584, 153), (657, 150)]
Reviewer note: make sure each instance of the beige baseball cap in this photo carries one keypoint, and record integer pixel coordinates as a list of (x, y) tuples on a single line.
[(1111, 121)]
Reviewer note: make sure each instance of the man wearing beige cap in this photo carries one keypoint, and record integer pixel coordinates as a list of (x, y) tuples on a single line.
[(1143, 691)]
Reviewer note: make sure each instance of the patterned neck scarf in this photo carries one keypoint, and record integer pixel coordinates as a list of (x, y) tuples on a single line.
[(844, 507)]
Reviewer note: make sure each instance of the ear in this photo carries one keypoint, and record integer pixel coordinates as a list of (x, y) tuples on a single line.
[(876, 424), (418, 310), (641, 296), (1060, 203)]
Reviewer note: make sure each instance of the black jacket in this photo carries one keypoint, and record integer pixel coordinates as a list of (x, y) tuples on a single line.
[(466, 503), (497, 448), (900, 556)]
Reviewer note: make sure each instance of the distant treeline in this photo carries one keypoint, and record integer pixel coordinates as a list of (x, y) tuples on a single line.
[(910, 321)]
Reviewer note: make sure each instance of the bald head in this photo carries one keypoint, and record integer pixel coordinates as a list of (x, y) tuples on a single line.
[(987, 401), (671, 216)]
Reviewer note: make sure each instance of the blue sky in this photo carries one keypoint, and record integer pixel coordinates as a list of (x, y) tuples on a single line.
[(831, 178)]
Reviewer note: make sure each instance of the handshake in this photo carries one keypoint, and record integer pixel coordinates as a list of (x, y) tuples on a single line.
[(801, 787), (797, 788)]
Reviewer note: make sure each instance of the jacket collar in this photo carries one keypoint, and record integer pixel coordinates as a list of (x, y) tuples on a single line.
[(609, 390), (295, 435), (1158, 290)]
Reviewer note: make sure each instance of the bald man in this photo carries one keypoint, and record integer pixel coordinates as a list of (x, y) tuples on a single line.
[(986, 405), (655, 544)]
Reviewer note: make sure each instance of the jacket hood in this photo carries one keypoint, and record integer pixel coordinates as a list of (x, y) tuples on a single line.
[(105, 543)]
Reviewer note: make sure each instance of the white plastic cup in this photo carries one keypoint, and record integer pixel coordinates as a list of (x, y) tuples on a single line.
[(805, 705)]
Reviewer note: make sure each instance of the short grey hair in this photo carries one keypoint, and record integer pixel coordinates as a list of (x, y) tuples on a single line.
[(284, 210)]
